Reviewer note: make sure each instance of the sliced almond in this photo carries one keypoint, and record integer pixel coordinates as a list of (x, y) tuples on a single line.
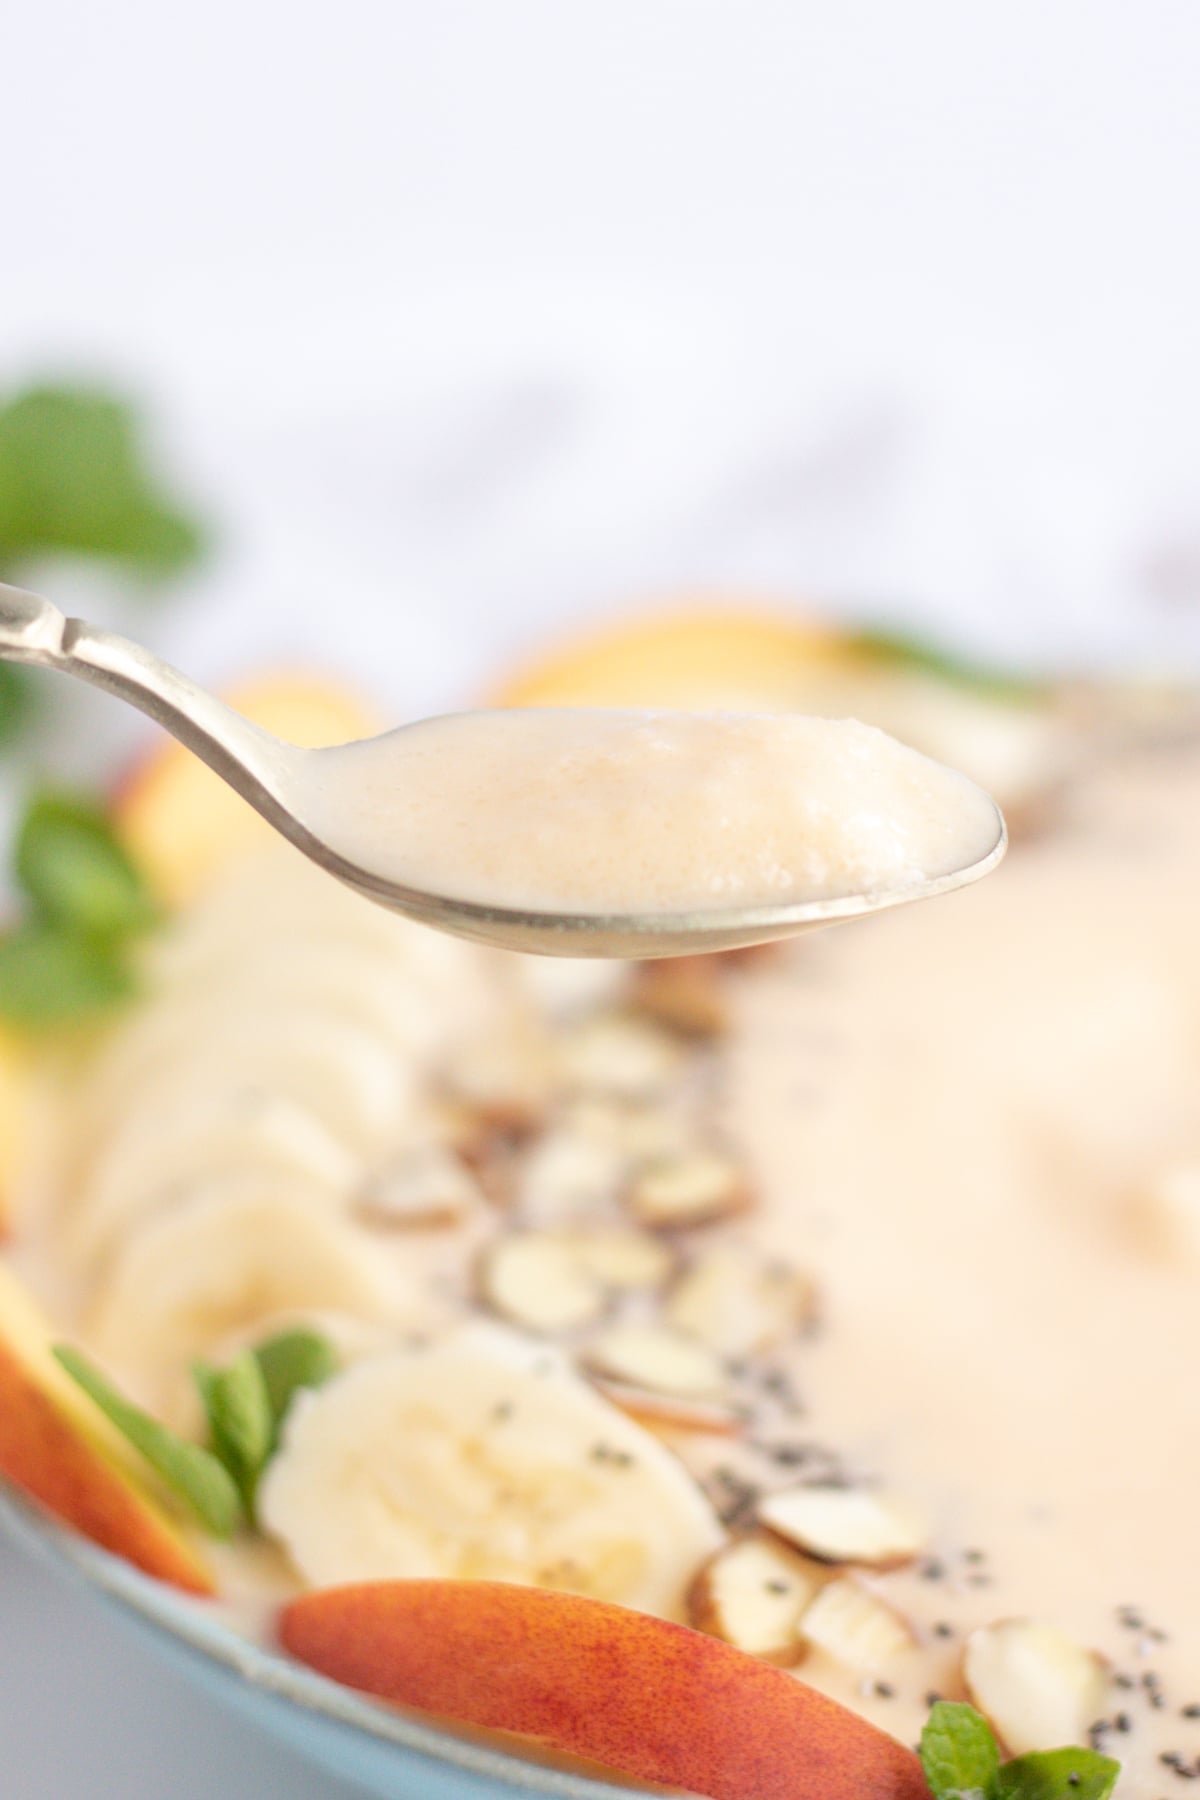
[(855, 1627), (738, 1302), (489, 1153), (845, 1525), (658, 1359), (1037, 1687), (568, 1176), (505, 1080), (685, 993), (752, 1593), (425, 1185), (638, 1130), (618, 1054), (534, 1281), (562, 987), (669, 1414), (617, 1257), (693, 1188)]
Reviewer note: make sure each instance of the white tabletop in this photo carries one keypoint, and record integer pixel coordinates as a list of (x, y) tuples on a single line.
[(90, 1713)]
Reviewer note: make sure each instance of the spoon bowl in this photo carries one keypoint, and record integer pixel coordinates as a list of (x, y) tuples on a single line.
[(279, 780)]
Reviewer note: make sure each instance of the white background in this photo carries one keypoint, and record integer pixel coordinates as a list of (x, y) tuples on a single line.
[(473, 316)]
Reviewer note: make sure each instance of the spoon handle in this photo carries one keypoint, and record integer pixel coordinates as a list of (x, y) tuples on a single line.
[(248, 758)]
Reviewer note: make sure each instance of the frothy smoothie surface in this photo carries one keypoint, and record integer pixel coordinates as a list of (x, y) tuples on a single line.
[(647, 812)]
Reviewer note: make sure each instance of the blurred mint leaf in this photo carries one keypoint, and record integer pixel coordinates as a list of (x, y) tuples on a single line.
[(959, 1753), (194, 1474), (74, 478), (16, 703), (1058, 1775), (49, 977), (69, 959), (291, 1360), (240, 1421), (69, 861), (899, 650)]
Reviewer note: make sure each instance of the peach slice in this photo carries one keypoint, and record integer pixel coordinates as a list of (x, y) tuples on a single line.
[(60, 1449), (182, 824), (730, 656), (14, 1104), (652, 1700), (702, 655)]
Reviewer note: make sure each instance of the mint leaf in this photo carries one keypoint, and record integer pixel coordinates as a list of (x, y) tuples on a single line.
[(239, 1419), (960, 1756), (292, 1360), (68, 961), (74, 478), (194, 1474), (1058, 1775), (245, 1403), (70, 863), (16, 703), (899, 650), (49, 977), (959, 1753)]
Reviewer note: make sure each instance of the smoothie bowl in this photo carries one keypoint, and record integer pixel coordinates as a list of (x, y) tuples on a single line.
[(694, 1372)]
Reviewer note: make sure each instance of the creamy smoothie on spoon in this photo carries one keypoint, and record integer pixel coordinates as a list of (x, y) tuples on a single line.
[(650, 813), (572, 832)]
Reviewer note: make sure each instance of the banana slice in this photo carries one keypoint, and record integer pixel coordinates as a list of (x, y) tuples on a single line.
[(156, 1157), (277, 898), (350, 1097), (346, 1076), (345, 983), (484, 1456), (231, 1260)]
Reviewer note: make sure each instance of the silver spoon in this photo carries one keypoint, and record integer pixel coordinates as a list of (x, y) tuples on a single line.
[(277, 779)]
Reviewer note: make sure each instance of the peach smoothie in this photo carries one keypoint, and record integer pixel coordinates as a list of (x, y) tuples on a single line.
[(837, 1302)]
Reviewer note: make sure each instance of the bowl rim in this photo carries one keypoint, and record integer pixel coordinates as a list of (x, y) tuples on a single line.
[(183, 1620)]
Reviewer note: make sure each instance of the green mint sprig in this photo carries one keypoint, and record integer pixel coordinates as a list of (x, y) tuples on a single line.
[(246, 1402), (901, 650), (78, 876), (961, 1760), (245, 1405), (198, 1478), (77, 479), (292, 1360), (49, 978), (16, 703), (240, 1422), (959, 1752), (86, 904)]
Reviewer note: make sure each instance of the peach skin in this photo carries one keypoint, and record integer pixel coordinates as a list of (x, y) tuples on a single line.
[(59, 1449), (646, 1698)]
